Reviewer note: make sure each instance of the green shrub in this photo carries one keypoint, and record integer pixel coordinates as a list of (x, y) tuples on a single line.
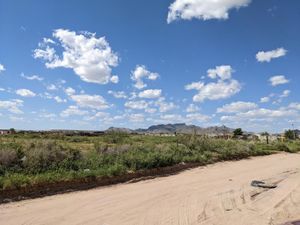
[(282, 147), (11, 155), (46, 155)]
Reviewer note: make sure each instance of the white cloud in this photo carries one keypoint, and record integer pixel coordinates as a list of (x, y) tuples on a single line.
[(91, 58), (33, 77), (103, 116), (265, 99), (90, 101), (117, 94), (194, 86), (25, 93), (260, 114), (225, 86), (219, 90), (285, 94), (48, 41), (197, 117), (269, 55), (192, 108), (223, 72), (73, 110), (69, 91), (141, 72), (136, 104), (150, 110), (47, 54), (2, 68), (164, 106), (47, 115), (51, 87), (12, 106), (277, 80), (236, 107), (16, 119), (171, 118), (295, 105), (203, 9), (114, 79), (150, 93), (59, 99), (137, 118)]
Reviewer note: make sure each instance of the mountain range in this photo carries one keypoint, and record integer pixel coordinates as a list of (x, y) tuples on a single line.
[(180, 128)]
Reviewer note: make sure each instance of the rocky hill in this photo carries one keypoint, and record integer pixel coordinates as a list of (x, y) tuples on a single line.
[(180, 128)]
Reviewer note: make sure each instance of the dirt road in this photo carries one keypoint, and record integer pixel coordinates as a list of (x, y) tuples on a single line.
[(215, 194)]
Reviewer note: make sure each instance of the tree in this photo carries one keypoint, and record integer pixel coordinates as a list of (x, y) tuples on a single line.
[(12, 130), (237, 132), (289, 134), (266, 134)]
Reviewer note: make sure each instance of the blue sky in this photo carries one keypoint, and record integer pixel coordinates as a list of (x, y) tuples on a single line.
[(96, 64)]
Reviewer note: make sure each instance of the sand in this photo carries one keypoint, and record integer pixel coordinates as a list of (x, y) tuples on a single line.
[(215, 194)]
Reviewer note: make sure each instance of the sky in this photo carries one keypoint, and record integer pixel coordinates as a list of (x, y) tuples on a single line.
[(91, 65)]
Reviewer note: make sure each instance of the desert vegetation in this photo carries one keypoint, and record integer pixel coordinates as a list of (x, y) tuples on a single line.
[(31, 159)]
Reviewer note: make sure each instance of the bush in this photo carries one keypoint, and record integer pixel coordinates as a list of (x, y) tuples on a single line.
[(282, 147), (11, 155), (48, 155)]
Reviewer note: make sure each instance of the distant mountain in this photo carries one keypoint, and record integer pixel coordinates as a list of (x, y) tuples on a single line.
[(182, 128), (119, 130)]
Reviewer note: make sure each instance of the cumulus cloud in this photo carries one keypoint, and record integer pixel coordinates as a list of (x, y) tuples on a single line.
[(114, 79), (236, 107), (117, 94), (136, 104), (25, 93), (59, 99), (171, 118), (264, 99), (91, 58), (277, 80), (150, 93), (218, 90), (51, 87), (73, 110), (267, 56), (12, 106), (140, 73), (2, 68), (203, 9), (197, 117), (90, 101), (151, 110), (194, 86), (33, 77), (192, 108), (47, 115), (164, 106), (260, 114), (295, 105), (224, 87), (136, 118), (69, 91), (285, 94), (223, 72)]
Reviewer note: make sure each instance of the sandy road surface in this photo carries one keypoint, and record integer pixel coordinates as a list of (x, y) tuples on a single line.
[(216, 194)]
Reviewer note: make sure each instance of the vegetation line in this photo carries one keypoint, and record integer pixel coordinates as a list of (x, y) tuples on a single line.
[(42, 164)]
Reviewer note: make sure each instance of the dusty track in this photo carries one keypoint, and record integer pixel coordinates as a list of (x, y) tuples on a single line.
[(215, 194)]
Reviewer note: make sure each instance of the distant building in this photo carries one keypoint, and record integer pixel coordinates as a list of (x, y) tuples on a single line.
[(3, 132)]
